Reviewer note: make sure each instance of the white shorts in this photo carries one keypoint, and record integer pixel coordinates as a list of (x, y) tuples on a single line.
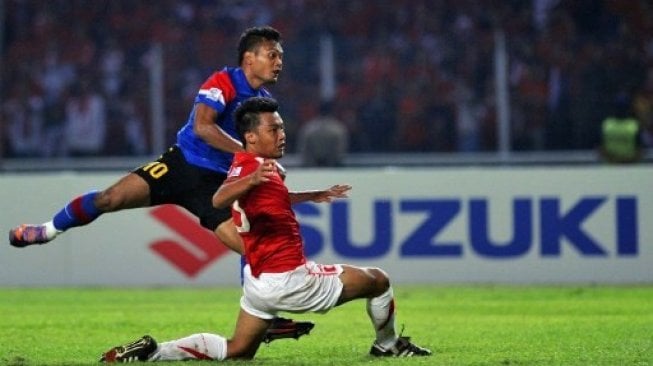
[(310, 287)]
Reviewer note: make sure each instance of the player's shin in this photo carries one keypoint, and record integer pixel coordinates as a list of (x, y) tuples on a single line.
[(381, 310), (201, 346), (80, 211)]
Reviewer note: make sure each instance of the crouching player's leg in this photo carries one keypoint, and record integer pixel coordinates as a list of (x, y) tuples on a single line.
[(374, 285), (244, 343), (249, 333)]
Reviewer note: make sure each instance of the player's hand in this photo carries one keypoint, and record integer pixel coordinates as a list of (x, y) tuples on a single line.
[(264, 172), (333, 192)]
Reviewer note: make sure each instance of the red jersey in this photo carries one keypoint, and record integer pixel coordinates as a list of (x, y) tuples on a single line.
[(266, 221)]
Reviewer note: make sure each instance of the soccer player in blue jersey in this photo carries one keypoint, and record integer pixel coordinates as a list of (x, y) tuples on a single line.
[(192, 170)]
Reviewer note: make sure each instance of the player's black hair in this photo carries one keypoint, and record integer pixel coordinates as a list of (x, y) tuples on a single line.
[(247, 114), (253, 37)]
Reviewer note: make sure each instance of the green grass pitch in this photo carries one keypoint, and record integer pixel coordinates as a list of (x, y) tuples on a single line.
[(463, 325)]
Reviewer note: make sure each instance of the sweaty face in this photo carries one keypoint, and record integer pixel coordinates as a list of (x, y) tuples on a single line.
[(269, 138), (266, 63)]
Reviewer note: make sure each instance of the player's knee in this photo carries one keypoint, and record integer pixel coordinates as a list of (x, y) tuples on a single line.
[(107, 200), (117, 198), (381, 282)]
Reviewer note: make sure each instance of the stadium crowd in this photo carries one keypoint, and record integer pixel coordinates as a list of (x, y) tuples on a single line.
[(411, 75)]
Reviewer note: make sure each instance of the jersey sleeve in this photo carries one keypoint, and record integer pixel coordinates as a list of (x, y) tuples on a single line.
[(217, 91), (242, 166)]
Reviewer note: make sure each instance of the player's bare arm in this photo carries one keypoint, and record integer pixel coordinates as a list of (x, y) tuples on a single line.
[(205, 127), (324, 195), (232, 189)]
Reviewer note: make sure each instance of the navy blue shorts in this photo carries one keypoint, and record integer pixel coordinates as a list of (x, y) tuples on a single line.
[(173, 180)]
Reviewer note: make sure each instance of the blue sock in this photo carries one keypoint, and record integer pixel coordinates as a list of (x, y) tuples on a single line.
[(80, 211)]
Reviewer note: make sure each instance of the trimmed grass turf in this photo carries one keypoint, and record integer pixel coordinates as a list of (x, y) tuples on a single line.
[(463, 325)]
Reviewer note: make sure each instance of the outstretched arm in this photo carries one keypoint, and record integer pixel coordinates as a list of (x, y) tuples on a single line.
[(231, 190), (206, 128), (325, 195)]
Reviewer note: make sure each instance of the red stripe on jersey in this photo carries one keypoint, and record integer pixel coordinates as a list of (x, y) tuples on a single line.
[(221, 81)]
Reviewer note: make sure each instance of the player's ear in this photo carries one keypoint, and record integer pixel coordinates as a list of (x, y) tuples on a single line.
[(248, 57), (250, 137)]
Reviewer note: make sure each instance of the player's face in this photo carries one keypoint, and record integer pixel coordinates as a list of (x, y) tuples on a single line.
[(266, 63), (270, 136)]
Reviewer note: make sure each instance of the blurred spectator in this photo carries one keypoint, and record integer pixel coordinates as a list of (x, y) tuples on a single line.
[(468, 113), (134, 129), (621, 134), (323, 140), (377, 116), (566, 58), (559, 124), (24, 116), (112, 67), (126, 134), (643, 106), (415, 130), (53, 130), (85, 124), (55, 74)]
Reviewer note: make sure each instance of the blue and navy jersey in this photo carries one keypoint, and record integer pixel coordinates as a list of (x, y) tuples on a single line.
[(222, 91)]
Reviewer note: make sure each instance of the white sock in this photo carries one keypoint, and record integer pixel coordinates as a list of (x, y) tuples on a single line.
[(201, 346), (50, 230), (381, 310)]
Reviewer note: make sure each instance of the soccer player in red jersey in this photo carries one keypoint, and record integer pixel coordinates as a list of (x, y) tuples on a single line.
[(278, 277)]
